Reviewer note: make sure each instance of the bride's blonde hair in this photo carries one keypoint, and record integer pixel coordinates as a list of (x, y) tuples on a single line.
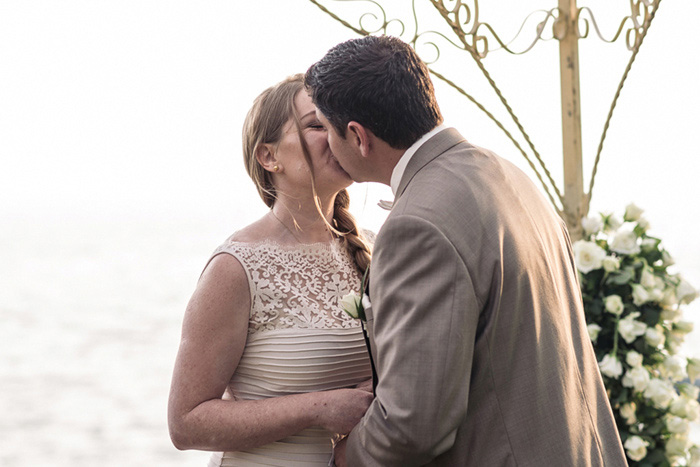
[(264, 125)]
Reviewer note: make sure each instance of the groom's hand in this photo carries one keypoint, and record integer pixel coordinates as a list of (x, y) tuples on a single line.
[(339, 453)]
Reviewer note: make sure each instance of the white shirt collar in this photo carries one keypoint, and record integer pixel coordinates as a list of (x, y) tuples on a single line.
[(400, 167)]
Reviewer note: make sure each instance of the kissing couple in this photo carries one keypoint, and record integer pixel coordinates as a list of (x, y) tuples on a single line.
[(478, 349)]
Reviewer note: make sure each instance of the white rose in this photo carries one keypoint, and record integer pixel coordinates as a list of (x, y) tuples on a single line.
[(614, 305), (667, 259), (686, 408), (656, 295), (613, 222), (610, 366), (669, 299), (633, 212), (589, 256), (625, 241), (629, 412), (639, 294), (694, 456), (661, 392), (676, 446), (636, 378), (659, 283), (591, 225), (655, 336), (673, 367), (643, 224), (593, 331), (611, 263), (674, 341), (684, 327), (634, 359), (689, 390), (351, 304), (636, 448), (677, 425), (685, 292), (648, 279), (648, 244), (630, 329), (693, 369), (671, 314)]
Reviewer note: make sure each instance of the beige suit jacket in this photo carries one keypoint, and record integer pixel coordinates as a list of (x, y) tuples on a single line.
[(477, 325)]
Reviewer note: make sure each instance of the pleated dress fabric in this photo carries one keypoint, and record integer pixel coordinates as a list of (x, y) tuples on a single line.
[(299, 340)]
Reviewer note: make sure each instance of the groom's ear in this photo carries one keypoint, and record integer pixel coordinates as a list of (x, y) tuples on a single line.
[(360, 137)]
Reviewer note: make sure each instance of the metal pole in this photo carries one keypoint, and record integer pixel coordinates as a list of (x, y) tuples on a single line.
[(571, 117)]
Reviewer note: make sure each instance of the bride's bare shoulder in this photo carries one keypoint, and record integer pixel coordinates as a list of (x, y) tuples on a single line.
[(257, 231)]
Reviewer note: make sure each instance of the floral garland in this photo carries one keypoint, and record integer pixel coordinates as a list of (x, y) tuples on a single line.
[(633, 310)]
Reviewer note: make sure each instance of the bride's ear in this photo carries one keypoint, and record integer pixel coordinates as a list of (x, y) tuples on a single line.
[(360, 137), (266, 158)]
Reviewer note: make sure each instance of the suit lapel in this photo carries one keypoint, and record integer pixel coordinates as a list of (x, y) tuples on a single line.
[(431, 149)]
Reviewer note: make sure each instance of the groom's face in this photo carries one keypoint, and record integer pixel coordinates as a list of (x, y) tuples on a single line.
[(347, 153)]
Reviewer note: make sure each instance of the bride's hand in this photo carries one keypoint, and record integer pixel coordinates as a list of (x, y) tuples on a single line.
[(341, 409)]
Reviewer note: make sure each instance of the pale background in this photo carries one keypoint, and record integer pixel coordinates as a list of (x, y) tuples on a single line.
[(120, 171)]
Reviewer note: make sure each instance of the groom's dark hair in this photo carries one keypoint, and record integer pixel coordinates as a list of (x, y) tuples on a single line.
[(379, 82)]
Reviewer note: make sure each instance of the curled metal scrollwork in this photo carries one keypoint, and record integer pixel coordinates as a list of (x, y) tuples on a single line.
[(468, 32), (632, 26)]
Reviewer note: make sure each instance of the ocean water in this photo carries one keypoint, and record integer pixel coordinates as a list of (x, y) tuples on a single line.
[(90, 313)]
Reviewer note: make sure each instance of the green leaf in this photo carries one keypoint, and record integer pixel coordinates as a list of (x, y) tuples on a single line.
[(621, 277)]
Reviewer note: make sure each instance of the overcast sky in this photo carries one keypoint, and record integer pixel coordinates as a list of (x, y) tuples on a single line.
[(133, 109)]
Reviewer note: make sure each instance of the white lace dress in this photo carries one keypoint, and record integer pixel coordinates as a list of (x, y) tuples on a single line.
[(299, 339)]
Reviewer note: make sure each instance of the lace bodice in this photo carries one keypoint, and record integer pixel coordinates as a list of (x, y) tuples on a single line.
[(297, 286)]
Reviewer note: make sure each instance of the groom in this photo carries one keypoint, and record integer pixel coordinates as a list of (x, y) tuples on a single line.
[(476, 325)]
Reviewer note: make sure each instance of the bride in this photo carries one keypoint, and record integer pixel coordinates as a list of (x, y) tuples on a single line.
[(269, 367)]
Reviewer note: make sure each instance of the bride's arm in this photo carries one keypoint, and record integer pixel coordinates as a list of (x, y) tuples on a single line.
[(213, 337)]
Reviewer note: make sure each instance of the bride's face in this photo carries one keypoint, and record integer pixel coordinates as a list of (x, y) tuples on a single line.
[(329, 176)]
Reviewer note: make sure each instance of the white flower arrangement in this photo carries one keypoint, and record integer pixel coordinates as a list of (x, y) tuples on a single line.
[(634, 316)]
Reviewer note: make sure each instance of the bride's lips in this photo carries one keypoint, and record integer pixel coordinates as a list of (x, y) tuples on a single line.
[(333, 159)]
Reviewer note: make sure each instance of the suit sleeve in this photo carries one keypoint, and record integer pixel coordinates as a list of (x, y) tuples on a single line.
[(425, 318)]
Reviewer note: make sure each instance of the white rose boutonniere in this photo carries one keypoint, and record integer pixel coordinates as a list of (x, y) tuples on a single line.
[(353, 303)]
